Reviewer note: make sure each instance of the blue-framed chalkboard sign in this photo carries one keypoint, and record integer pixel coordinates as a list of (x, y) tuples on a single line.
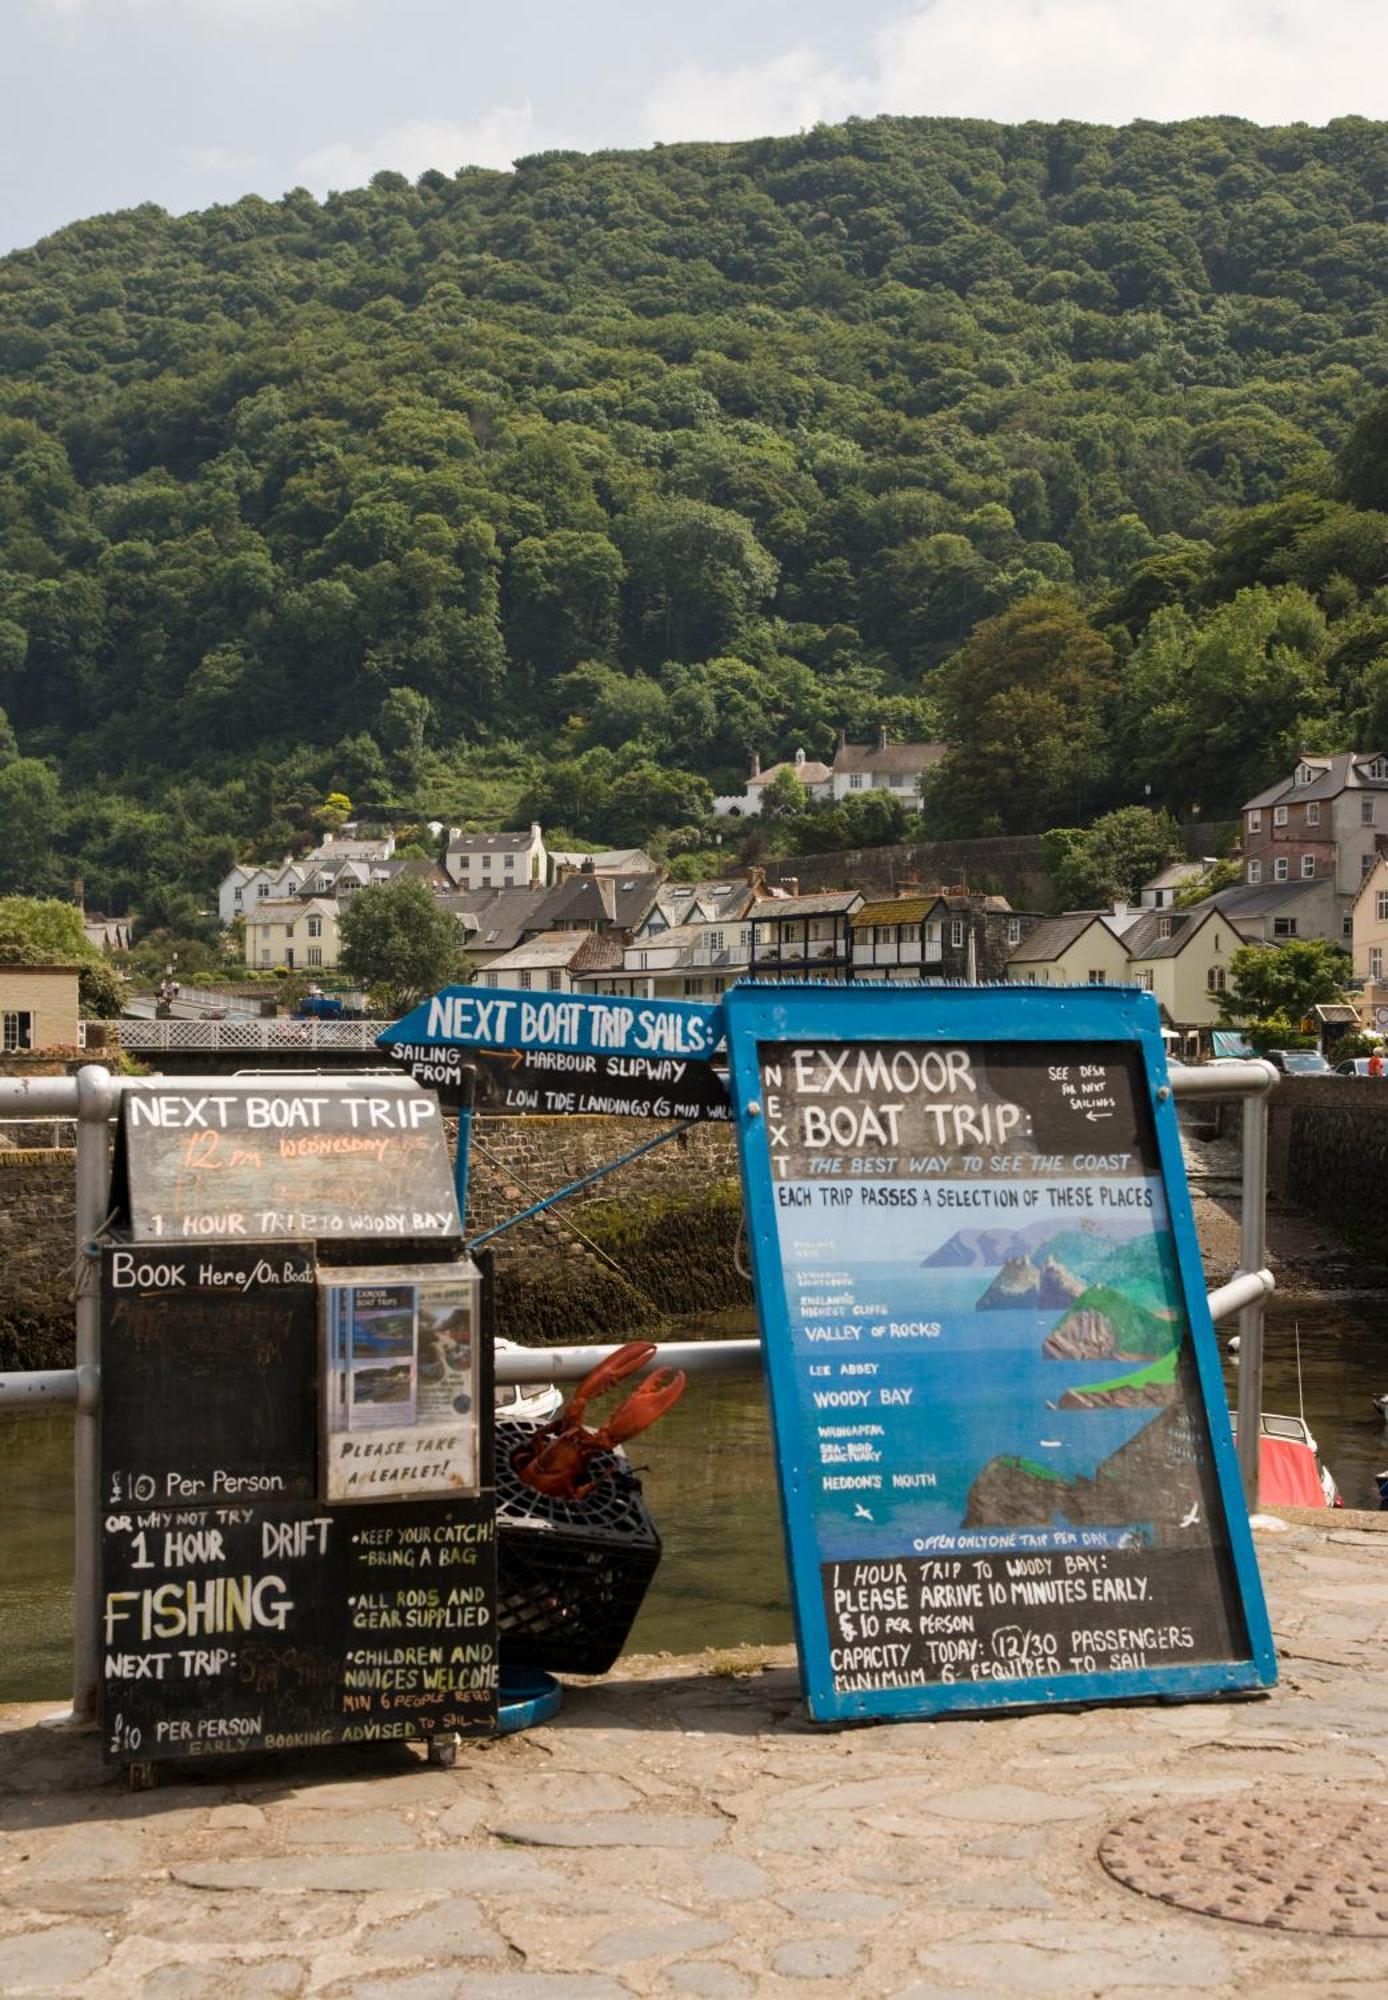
[(1005, 1462)]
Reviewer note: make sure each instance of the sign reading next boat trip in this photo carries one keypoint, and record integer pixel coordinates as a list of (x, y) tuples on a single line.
[(564, 1054), (1005, 1457)]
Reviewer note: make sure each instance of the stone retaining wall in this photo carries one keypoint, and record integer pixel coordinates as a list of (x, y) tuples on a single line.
[(1328, 1149), (651, 1241)]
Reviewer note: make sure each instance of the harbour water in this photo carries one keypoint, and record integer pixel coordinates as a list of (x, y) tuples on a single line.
[(711, 1487)]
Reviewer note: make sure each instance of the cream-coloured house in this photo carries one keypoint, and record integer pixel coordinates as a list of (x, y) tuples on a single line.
[(1369, 946), (1182, 958), (38, 1007), (299, 932), (1079, 948)]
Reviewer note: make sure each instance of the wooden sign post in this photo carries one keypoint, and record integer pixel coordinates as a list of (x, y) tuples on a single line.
[(1005, 1459)]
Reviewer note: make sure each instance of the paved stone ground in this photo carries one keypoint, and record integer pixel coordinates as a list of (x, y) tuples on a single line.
[(681, 1829)]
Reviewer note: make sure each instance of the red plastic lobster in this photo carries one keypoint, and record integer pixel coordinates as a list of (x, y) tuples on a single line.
[(556, 1459)]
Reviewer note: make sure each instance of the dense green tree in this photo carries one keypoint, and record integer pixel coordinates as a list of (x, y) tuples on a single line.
[(1026, 706), (1110, 860), (401, 943), (1282, 983), (31, 820)]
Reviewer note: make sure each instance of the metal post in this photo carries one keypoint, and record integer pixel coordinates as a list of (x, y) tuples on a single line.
[(1252, 1257), (464, 1146), (97, 1094)]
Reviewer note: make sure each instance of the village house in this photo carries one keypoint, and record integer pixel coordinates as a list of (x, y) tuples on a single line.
[(38, 1007), (1182, 957), (1161, 891), (497, 860), (300, 934), (1320, 824), (1273, 912), (1369, 945), (882, 766), (552, 961), (603, 861), (1080, 948), (803, 937), (697, 961), (748, 803)]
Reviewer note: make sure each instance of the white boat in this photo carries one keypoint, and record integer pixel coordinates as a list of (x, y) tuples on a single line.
[(525, 1402)]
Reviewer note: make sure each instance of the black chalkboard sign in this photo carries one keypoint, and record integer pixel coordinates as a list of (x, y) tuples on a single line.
[(209, 1374), (1005, 1459), (238, 1611), (285, 1627), (561, 1083), (243, 1160)]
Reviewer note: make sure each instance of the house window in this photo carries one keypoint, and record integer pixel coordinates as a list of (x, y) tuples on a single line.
[(1284, 927), (910, 933), (1279, 815), (265, 956), (715, 940), (1308, 867), (1255, 871), (1381, 905), (1366, 812), (1014, 930), (262, 888), (19, 1031), (315, 954), (1255, 822), (315, 927), (855, 781), (523, 981), (1281, 868), (1347, 925), (556, 982), (236, 895), (1375, 972), (1164, 927), (956, 931), (1143, 980), (1214, 979), (1098, 979), (1313, 814)]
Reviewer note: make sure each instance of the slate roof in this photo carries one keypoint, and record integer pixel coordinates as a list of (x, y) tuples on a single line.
[(834, 903), (505, 917), (547, 948), (892, 760), (607, 861), (1144, 938), (1254, 899), (491, 843), (725, 900), (1055, 935), (1341, 773), (617, 901)]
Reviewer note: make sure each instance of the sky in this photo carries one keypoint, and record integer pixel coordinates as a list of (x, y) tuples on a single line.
[(106, 103)]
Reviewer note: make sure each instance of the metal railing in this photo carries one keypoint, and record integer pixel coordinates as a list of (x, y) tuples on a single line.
[(93, 1096)]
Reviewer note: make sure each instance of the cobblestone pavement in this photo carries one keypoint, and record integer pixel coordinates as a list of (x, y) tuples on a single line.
[(681, 1829)]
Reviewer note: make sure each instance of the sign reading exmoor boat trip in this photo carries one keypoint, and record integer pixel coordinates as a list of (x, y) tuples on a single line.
[(241, 1607), (242, 1159), (1005, 1459), (564, 1055)]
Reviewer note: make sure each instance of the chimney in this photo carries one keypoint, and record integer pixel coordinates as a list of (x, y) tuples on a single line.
[(756, 880), (799, 759), (882, 737), (534, 829), (791, 884), (843, 738), (756, 763)]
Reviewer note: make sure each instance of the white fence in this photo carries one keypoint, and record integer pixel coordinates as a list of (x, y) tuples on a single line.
[(240, 1037)]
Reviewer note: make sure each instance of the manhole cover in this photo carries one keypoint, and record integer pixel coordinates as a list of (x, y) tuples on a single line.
[(1292, 1864)]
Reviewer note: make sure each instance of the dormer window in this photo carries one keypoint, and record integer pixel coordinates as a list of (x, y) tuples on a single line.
[(1304, 774), (1378, 769), (1164, 927)]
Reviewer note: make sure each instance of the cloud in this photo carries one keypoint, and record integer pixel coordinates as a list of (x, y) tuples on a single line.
[(495, 139), (1107, 61)]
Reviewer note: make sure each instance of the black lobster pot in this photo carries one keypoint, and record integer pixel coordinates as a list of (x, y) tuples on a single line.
[(571, 1574)]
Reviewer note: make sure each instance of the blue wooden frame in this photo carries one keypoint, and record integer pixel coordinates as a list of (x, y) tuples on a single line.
[(1012, 1014)]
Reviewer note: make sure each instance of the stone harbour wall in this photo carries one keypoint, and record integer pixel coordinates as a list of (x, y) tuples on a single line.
[(651, 1242), (1328, 1150)]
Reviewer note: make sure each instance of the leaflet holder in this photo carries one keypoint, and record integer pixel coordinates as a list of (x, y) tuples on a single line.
[(298, 1506)]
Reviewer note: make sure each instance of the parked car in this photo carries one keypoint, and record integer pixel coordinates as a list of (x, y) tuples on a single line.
[(1299, 1062), (1359, 1066)]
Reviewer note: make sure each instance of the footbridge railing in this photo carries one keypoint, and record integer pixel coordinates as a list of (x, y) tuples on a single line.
[(92, 1099)]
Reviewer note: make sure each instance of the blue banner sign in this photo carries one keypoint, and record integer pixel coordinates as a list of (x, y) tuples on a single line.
[(482, 1017), (1006, 1467)]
